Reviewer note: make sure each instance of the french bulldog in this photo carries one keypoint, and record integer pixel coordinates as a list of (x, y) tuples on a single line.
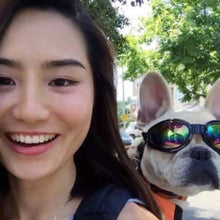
[(181, 153)]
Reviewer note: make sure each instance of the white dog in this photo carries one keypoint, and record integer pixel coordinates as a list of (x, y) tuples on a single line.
[(182, 148)]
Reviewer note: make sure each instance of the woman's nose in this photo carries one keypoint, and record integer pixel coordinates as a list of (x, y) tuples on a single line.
[(31, 106)]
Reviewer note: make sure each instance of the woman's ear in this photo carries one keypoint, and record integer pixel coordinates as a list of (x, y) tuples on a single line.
[(212, 101), (154, 98)]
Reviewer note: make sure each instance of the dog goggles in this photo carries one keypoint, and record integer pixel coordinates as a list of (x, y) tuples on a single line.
[(173, 135)]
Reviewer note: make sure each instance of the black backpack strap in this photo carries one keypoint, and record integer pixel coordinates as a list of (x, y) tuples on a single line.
[(104, 204), (178, 213)]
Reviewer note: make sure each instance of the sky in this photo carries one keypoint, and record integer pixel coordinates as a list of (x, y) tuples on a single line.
[(133, 13)]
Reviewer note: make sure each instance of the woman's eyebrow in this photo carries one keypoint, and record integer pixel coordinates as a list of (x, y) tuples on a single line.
[(63, 63), (48, 64), (10, 63)]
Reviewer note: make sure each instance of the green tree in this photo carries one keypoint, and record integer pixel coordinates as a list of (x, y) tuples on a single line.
[(109, 20), (187, 34)]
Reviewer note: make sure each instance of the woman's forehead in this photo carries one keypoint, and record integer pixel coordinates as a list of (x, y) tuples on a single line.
[(43, 33)]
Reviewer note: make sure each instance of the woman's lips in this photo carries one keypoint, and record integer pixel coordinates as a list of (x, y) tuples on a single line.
[(31, 144)]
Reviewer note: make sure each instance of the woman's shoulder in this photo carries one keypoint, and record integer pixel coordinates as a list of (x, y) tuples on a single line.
[(133, 211)]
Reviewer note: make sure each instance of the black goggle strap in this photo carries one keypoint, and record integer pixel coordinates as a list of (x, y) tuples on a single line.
[(145, 135), (197, 129)]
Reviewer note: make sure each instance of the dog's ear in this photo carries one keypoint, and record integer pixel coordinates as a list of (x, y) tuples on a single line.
[(154, 98), (213, 100)]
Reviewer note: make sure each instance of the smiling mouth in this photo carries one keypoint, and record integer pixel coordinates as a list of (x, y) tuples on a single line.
[(31, 140)]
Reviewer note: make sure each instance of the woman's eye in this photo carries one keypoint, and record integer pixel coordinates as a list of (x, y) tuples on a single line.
[(62, 82), (6, 81)]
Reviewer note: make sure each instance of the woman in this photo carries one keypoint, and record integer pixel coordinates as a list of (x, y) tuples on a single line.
[(60, 147)]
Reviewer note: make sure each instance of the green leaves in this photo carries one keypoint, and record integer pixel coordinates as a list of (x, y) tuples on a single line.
[(109, 20), (187, 53)]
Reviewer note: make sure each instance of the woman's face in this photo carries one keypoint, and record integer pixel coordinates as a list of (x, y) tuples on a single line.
[(46, 94)]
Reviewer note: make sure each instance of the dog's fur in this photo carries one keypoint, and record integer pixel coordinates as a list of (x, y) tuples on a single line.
[(180, 172)]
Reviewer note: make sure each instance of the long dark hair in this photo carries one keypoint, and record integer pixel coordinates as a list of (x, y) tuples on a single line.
[(101, 158)]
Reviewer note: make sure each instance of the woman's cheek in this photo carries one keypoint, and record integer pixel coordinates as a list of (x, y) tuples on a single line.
[(74, 107), (6, 102)]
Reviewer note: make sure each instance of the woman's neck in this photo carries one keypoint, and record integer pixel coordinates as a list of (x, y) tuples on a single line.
[(40, 199)]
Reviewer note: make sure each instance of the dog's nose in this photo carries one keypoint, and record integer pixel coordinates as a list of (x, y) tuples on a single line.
[(200, 153)]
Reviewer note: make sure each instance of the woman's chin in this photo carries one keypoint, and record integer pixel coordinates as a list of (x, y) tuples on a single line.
[(30, 172)]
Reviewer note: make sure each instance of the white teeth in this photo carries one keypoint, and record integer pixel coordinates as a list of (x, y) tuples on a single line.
[(35, 139), (41, 139), (27, 139), (46, 137)]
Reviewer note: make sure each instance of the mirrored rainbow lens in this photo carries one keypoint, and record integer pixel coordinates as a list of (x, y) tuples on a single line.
[(213, 134), (169, 135)]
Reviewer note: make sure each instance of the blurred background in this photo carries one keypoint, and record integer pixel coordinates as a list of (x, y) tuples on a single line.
[(178, 38)]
